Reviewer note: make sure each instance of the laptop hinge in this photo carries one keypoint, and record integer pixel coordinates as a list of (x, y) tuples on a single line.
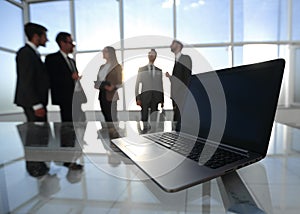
[(222, 145)]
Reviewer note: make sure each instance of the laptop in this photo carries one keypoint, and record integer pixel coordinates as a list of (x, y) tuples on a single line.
[(226, 122)]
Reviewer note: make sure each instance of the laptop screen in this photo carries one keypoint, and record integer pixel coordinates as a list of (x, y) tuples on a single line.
[(235, 106)]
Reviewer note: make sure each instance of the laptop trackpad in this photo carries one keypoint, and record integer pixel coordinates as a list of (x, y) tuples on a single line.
[(146, 150)]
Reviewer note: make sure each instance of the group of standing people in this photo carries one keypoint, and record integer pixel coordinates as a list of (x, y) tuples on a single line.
[(59, 74)]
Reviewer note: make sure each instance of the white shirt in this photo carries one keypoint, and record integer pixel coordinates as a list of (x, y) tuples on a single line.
[(177, 56), (103, 72), (64, 55), (33, 47)]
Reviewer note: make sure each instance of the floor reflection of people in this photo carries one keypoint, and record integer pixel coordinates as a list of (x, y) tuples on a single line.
[(45, 157), (38, 135), (106, 135), (67, 137)]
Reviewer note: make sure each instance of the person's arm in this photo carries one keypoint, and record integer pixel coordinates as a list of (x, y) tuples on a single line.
[(75, 74), (162, 90), (115, 82), (27, 81), (137, 87), (187, 69), (119, 71)]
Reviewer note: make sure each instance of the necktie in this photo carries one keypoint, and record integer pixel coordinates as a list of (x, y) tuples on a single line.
[(151, 71), (71, 65)]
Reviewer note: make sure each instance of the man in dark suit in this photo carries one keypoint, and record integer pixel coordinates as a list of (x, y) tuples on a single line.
[(32, 79), (180, 77), (151, 93), (63, 76)]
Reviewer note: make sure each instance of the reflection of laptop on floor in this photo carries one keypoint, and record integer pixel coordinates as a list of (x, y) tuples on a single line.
[(226, 124)]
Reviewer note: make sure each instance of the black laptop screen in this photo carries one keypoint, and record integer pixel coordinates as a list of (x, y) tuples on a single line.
[(242, 111)]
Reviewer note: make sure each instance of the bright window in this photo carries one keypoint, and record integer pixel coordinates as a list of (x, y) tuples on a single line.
[(147, 17), (97, 24), (256, 20), (55, 16), (203, 21), (11, 26)]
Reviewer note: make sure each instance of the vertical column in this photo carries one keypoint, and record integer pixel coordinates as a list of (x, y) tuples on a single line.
[(121, 20), (73, 27), (230, 48), (174, 19)]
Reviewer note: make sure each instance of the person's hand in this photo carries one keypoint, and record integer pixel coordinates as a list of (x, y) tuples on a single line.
[(109, 87), (168, 75), (75, 76), (40, 112), (139, 102)]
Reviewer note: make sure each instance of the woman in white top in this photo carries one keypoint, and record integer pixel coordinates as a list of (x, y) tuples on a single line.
[(109, 79)]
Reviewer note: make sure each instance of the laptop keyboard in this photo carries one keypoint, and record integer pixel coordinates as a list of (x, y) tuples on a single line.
[(192, 149)]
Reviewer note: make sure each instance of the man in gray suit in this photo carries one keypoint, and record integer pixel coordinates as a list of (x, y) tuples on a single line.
[(149, 88), (32, 79)]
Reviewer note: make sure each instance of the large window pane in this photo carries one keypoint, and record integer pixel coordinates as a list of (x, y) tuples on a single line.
[(11, 26), (237, 55), (55, 16), (147, 17), (254, 53), (203, 21), (8, 83), (295, 20), (217, 57), (256, 20), (97, 24)]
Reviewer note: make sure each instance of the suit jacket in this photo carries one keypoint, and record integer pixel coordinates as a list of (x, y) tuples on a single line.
[(181, 72), (62, 85), (151, 87), (114, 77), (32, 79)]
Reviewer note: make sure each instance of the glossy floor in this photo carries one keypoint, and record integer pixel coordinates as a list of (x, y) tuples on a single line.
[(43, 170)]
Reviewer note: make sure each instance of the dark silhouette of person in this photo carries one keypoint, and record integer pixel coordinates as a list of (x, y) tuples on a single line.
[(40, 150), (38, 136), (182, 71), (32, 79), (109, 79), (149, 83), (112, 152), (68, 139), (64, 79)]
